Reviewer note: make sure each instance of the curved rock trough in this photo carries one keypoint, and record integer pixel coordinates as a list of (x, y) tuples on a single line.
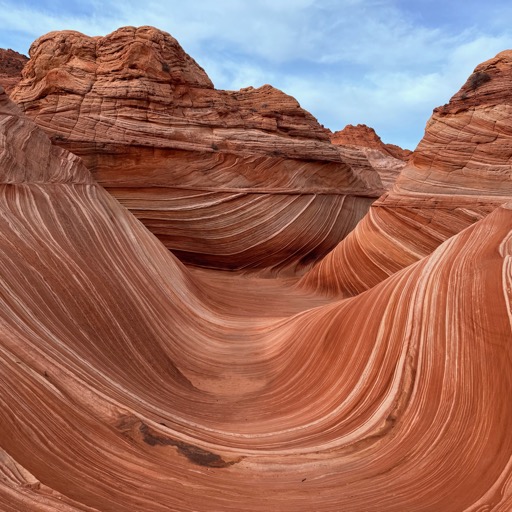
[(377, 378)]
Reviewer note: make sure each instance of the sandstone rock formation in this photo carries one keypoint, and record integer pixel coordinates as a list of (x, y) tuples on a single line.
[(365, 137), (459, 173), (387, 159), (229, 179), (11, 65), (132, 383)]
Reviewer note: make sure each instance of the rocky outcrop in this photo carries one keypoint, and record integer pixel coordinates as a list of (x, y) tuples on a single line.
[(387, 159), (466, 149), (459, 173), (229, 179), (132, 383), (11, 65), (366, 137)]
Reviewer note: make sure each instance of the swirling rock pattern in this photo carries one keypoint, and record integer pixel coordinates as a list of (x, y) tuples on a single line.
[(148, 123), (11, 65), (458, 174), (132, 383)]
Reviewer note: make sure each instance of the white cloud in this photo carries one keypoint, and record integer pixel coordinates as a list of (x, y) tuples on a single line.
[(234, 75)]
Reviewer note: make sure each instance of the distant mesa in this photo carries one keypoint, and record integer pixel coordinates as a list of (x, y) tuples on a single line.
[(364, 136), (387, 159)]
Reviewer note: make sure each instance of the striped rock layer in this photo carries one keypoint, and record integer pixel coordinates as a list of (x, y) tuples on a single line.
[(132, 383), (459, 173), (226, 179)]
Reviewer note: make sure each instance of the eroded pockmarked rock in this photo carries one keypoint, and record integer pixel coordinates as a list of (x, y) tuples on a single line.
[(11, 65), (229, 179)]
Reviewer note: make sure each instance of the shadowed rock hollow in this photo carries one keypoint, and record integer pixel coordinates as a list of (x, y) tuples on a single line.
[(133, 382)]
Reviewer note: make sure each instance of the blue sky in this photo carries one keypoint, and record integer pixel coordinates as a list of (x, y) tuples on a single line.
[(385, 63)]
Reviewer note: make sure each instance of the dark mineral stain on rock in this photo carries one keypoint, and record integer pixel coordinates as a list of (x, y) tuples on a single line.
[(193, 453)]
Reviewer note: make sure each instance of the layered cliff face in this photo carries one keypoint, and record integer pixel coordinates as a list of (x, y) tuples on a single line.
[(387, 159), (11, 65), (243, 179), (131, 383), (459, 173), (366, 137)]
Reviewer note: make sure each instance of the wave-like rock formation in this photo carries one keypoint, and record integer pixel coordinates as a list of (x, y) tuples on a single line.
[(11, 65), (459, 173), (387, 159), (229, 179), (131, 383)]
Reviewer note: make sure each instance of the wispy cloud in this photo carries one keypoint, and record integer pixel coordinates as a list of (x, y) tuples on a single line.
[(386, 63)]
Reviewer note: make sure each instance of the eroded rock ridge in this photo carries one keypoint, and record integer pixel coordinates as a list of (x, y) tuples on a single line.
[(147, 121)]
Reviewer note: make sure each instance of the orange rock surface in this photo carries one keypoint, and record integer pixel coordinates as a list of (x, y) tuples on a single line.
[(364, 136), (226, 179), (387, 159), (458, 174), (132, 383), (11, 65)]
